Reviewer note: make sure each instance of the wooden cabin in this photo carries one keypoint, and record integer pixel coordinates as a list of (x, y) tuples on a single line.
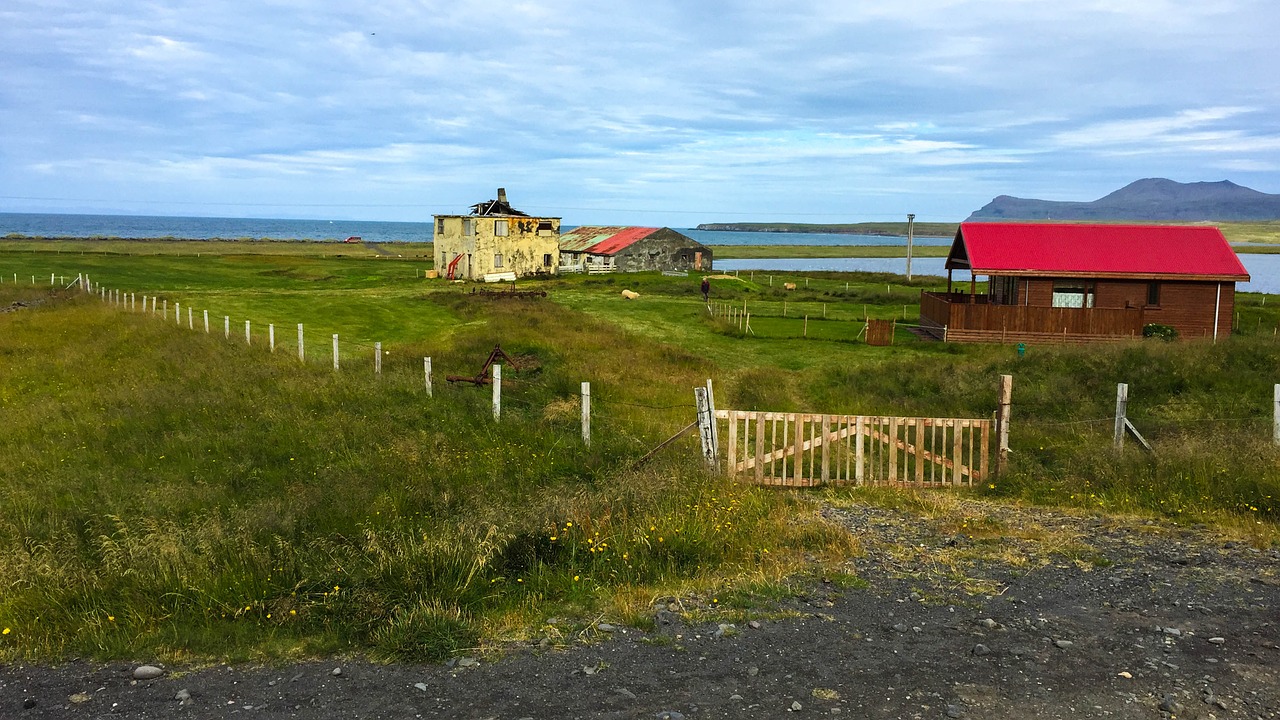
[(1058, 282)]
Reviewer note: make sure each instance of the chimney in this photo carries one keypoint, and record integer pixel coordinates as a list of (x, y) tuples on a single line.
[(502, 195)]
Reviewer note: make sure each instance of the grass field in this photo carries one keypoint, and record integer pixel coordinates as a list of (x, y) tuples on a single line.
[(179, 495)]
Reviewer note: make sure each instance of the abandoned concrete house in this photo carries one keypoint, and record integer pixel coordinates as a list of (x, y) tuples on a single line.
[(597, 249), (496, 241)]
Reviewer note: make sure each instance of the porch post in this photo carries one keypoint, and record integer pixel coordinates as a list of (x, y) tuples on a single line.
[(1217, 308), (973, 285), (948, 281)]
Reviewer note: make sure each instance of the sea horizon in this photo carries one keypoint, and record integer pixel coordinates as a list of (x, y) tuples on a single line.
[(196, 227)]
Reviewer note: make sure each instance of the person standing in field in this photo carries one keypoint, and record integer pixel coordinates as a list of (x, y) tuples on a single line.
[(706, 289)]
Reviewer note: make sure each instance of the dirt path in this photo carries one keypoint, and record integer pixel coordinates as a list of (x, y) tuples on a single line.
[(985, 612)]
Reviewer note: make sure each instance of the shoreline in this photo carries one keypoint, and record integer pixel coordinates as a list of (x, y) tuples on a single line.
[(229, 246)]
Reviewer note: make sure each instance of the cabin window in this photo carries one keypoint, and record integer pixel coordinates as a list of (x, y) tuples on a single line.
[(468, 227), (1004, 290), (1072, 294), (546, 260), (1153, 293), (500, 228), (497, 260)]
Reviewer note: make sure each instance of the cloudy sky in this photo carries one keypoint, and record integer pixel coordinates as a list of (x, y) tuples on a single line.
[(659, 112)]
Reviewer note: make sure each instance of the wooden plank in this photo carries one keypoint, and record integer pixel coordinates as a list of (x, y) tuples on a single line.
[(786, 433), (759, 450), (773, 445), (798, 459), (893, 450), (733, 442), (859, 451), (957, 439), (919, 451), (823, 421)]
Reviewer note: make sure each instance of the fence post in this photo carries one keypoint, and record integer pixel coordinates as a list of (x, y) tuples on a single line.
[(206, 322), (271, 336), (226, 327), (1122, 406), (1275, 430), (377, 358), (426, 370), (177, 313), (706, 428), (246, 332), (1002, 422), (166, 309), (497, 391), (335, 351), (191, 318), (586, 413), (715, 426), (302, 356)]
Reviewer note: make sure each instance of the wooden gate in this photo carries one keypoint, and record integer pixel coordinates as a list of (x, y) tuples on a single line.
[(805, 450)]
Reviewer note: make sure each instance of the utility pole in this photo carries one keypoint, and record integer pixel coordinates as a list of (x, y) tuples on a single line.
[(911, 219)]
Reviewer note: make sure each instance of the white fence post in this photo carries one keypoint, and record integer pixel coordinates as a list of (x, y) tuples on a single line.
[(226, 327), (206, 322), (191, 318), (1275, 429), (1005, 401), (271, 336), (1122, 405), (177, 313), (706, 425), (497, 391), (377, 358), (586, 414), (335, 351), (302, 354), (426, 370), (715, 426), (246, 332)]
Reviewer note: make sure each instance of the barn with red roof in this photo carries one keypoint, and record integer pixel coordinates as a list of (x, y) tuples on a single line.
[(603, 249), (1084, 282)]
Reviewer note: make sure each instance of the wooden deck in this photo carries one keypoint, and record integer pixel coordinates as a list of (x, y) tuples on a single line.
[(960, 317)]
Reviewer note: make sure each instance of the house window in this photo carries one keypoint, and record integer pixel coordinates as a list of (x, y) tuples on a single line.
[(468, 227), (1153, 293), (546, 260), (497, 260), (1072, 294), (500, 228), (544, 227), (1004, 290), (439, 226)]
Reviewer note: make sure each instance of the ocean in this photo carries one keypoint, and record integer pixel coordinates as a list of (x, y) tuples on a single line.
[(1265, 269), (206, 228)]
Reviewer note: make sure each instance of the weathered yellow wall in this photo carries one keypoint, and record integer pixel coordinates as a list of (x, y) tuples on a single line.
[(523, 249)]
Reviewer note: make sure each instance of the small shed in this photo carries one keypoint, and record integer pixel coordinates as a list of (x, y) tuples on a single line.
[(604, 249), (1084, 282)]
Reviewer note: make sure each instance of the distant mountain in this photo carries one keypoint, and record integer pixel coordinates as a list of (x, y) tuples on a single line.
[(1151, 199)]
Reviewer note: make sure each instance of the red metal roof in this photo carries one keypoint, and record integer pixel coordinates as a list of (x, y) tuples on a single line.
[(603, 240), (1008, 248)]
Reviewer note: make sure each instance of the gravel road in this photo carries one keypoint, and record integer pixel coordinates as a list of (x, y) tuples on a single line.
[(989, 612)]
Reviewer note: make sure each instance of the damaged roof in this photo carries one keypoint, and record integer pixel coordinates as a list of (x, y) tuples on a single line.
[(603, 240)]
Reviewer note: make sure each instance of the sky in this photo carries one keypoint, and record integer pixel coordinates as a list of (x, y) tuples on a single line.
[(657, 113)]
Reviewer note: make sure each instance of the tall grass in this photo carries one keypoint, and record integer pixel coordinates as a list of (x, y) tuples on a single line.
[(170, 493)]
